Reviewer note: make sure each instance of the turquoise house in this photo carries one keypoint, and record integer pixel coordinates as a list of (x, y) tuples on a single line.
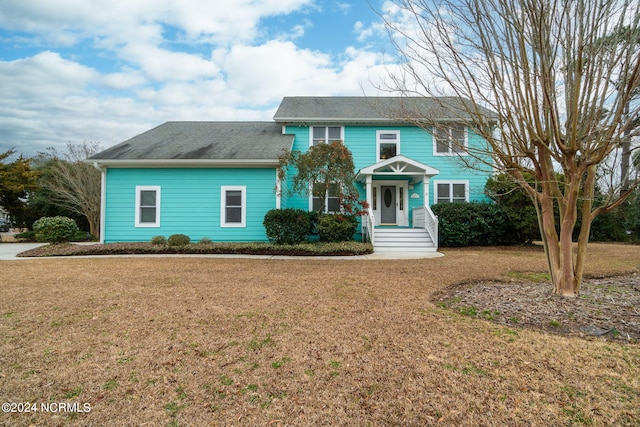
[(219, 179)]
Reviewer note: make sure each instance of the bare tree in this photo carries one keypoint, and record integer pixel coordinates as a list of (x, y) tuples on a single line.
[(75, 185), (542, 67)]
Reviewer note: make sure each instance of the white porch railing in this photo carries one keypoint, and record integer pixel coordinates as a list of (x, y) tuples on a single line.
[(423, 217), (368, 222)]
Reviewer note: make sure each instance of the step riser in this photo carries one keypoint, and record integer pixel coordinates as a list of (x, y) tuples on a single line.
[(407, 240)]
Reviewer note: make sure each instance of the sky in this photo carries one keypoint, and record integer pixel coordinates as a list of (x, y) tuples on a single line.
[(74, 71)]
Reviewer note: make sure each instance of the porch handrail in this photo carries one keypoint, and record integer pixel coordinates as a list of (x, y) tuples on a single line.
[(423, 217), (369, 225)]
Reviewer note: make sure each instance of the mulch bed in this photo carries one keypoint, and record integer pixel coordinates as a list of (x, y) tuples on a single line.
[(607, 308), (145, 248)]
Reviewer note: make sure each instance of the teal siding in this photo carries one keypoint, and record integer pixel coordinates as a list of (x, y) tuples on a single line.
[(415, 143), (190, 203)]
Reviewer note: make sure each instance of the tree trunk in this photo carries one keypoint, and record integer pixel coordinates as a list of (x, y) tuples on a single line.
[(94, 225)]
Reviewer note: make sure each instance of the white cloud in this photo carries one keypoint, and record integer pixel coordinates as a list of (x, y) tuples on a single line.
[(27, 78), (119, 20), (160, 64), (263, 73), (167, 60), (46, 99)]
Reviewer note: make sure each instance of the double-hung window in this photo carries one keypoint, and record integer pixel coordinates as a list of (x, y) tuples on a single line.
[(388, 144), (147, 206), (233, 202), (451, 192), (450, 140), (329, 202), (325, 134)]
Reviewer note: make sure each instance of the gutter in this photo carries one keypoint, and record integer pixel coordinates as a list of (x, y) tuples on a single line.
[(185, 163)]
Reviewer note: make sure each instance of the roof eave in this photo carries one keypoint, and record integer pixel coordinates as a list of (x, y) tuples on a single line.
[(405, 121), (184, 163)]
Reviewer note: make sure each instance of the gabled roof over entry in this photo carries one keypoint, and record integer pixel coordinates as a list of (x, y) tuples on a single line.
[(205, 143), (398, 165)]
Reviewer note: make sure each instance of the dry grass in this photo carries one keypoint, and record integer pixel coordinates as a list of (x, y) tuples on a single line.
[(194, 341)]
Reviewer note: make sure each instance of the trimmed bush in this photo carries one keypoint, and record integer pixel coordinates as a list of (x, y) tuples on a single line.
[(159, 240), (287, 226), (178, 240), (205, 241), (514, 201), (473, 224), (56, 229), (27, 235), (336, 227)]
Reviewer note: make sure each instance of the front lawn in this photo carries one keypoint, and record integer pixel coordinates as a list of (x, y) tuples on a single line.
[(300, 342)]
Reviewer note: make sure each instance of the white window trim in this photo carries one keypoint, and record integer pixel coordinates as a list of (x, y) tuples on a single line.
[(223, 206), (326, 136), (326, 202), (450, 182), (139, 189), (451, 152), (379, 141)]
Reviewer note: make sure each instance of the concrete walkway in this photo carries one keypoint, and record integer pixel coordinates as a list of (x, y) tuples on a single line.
[(8, 251)]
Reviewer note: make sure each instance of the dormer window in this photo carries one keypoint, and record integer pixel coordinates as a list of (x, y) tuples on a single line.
[(450, 140), (388, 144), (325, 134)]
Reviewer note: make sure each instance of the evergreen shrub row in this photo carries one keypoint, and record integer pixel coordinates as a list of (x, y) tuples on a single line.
[(473, 224)]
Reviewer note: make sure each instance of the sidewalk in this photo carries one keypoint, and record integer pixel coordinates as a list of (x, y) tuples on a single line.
[(8, 251)]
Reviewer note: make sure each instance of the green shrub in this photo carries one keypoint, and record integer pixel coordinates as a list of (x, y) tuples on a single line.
[(287, 226), (56, 229), (27, 235), (205, 241), (473, 224), (336, 227), (517, 205), (178, 240), (159, 240)]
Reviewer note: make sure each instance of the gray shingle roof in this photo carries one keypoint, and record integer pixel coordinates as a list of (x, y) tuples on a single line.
[(224, 141), (372, 109)]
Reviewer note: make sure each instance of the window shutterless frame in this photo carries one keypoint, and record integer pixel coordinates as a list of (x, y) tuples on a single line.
[(450, 140), (233, 206), (147, 206), (387, 144), (451, 191), (325, 134)]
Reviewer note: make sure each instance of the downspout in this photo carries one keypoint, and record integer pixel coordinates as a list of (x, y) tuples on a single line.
[(103, 198)]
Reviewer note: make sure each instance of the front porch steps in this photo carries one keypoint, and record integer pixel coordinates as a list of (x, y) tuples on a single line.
[(402, 240)]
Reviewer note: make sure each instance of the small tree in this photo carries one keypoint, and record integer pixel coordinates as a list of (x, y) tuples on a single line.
[(319, 168), (73, 184), (17, 180), (560, 75)]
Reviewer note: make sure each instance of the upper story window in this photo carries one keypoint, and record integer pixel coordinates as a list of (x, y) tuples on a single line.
[(325, 134), (147, 206), (450, 140), (388, 144)]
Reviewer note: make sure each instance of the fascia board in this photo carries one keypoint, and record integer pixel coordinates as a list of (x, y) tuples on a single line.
[(184, 163)]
